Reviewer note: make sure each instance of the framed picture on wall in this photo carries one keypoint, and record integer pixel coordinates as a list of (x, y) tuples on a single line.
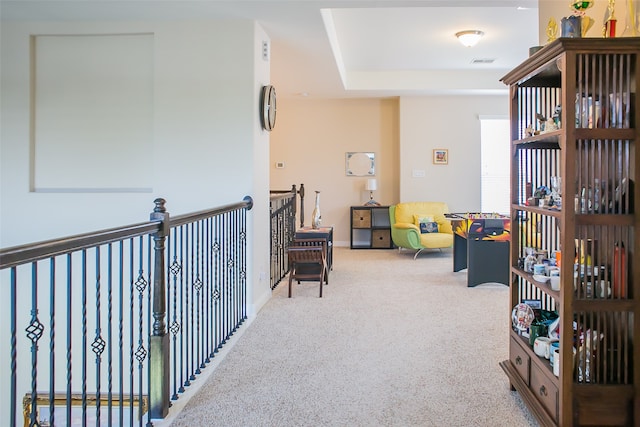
[(440, 156)]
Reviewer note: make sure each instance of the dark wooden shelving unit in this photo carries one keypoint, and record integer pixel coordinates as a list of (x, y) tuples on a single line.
[(595, 153)]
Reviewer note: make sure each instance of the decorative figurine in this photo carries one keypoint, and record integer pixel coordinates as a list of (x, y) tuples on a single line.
[(552, 30), (550, 125), (579, 10), (541, 121), (556, 115), (529, 131), (571, 26)]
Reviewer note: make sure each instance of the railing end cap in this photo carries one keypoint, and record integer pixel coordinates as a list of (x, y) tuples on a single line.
[(160, 202), (249, 201)]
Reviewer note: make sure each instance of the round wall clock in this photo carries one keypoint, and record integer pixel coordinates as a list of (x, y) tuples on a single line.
[(268, 107)]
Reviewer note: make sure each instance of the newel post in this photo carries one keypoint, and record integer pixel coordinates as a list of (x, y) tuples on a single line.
[(301, 191), (159, 339)]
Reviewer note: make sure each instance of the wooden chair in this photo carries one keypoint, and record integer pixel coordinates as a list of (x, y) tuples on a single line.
[(315, 242), (307, 262)]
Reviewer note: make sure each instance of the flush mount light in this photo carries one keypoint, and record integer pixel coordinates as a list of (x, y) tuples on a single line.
[(469, 38)]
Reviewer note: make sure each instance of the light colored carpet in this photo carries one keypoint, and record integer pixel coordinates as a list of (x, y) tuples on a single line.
[(393, 342)]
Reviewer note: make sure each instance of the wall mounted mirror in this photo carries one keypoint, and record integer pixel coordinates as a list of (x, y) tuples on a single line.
[(360, 164)]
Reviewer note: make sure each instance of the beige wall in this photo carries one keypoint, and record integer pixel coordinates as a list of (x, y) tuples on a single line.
[(452, 123), (312, 136)]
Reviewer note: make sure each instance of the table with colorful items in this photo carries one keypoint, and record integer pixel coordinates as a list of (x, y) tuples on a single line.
[(481, 245)]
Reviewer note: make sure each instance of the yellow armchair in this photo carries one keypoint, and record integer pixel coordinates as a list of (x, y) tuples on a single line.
[(405, 229)]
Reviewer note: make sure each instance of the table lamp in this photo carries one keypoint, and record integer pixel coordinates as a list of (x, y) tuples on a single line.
[(371, 186)]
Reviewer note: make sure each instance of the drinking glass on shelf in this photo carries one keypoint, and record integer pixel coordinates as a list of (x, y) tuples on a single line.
[(556, 191), (556, 184)]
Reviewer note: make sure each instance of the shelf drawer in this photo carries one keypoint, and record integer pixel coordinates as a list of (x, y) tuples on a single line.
[(520, 360), (545, 391), (381, 238), (361, 218)]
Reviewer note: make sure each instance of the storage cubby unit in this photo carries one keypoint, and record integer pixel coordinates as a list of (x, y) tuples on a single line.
[(588, 87), (370, 227)]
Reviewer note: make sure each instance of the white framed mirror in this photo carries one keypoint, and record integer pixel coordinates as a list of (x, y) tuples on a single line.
[(360, 164)]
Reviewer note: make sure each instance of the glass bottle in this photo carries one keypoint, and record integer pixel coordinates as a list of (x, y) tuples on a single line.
[(316, 218)]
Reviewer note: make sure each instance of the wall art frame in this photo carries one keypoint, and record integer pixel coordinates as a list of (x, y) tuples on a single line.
[(440, 156), (359, 163)]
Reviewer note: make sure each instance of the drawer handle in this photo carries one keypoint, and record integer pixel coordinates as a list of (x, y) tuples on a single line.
[(518, 360), (543, 391)]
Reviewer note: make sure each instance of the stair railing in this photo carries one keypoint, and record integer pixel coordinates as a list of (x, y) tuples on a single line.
[(113, 325)]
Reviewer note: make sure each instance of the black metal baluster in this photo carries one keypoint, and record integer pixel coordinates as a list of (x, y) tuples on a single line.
[(121, 267), (207, 293), (131, 317), (197, 285), (182, 314), (149, 333), (225, 279), (110, 334), (204, 271), (243, 263), (216, 283), (34, 333), (231, 274), (174, 269), (69, 319), (238, 268), (98, 343), (84, 338), (221, 279), (52, 337), (189, 307), (141, 352), (14, 351)]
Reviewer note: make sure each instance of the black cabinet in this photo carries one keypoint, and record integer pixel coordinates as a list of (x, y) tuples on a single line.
[(370, 227)]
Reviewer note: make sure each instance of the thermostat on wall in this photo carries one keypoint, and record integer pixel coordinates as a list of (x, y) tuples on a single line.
[(279, 165)]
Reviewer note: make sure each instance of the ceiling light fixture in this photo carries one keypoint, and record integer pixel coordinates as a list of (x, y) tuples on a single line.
[(469, 38)]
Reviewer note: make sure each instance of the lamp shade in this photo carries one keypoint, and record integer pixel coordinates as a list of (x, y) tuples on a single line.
[(469, 38), (372, 184)]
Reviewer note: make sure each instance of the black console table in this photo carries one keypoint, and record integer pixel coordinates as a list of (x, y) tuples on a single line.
[(319, 233)]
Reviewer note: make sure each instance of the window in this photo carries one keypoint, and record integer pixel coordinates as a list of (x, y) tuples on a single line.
[(495, 164)]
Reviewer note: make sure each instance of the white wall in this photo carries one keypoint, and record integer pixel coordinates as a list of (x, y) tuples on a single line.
[(452, 123), (208, 147)]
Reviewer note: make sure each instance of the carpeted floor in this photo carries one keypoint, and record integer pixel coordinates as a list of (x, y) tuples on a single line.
[(393, 342)]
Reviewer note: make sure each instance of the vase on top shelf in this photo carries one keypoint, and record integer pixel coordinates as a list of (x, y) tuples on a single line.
[(316, 218)]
